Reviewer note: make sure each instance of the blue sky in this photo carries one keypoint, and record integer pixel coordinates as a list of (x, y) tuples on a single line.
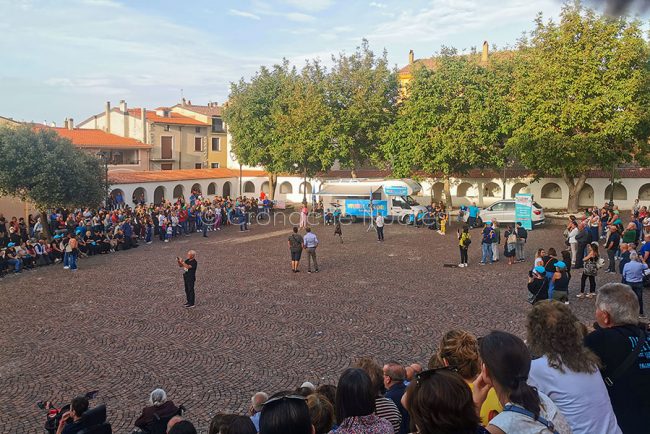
[(67, 58)]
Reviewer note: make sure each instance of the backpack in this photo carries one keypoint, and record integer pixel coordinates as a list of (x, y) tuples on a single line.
[(512, 238), (295, 242)]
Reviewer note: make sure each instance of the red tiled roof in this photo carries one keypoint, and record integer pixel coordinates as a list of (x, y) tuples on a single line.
[(180, 175), (86, 138), (430, 63), (174, 118)]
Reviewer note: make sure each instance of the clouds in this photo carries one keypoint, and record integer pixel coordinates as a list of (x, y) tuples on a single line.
[(244, 14), (67, 58)]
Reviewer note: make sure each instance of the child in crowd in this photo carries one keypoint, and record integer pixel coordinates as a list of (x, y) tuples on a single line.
[(443, 224), (338, 231)]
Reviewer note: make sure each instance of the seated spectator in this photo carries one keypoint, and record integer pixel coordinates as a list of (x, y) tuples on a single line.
[(439, 401), (537, 285), (220, 422), (394, 376), (71, 420), (328, 391), (411, 370), (178, 425), (287, 414), (158, 405), (306, 389), (257, 402), (623, 347), (506, 365), (567, 371), (321, 412), (355, 405), (384, 407), (239, 425), (459, 350)]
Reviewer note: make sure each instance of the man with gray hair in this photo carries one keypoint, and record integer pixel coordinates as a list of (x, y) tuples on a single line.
[(159, 409), (633, 273), (623, 346), (189, 276), (257, 402)]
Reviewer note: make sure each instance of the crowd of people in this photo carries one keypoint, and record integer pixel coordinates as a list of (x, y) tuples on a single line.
[(73, 234), (589, 238), (566, 377)]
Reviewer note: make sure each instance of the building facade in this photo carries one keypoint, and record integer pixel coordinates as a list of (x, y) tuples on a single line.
[(177, 141), (216, 149)]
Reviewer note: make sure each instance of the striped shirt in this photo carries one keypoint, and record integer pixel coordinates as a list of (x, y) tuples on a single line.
[(386, 409)]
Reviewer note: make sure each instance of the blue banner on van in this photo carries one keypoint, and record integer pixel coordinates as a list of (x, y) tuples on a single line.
[(524, 210), (396, 191), (361, 207)]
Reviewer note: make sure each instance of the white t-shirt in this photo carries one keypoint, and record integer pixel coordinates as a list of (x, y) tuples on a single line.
[(379, 221), (511, 422), (582, 398)]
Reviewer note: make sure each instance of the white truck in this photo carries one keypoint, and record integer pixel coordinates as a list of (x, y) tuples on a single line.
[(392, 198)]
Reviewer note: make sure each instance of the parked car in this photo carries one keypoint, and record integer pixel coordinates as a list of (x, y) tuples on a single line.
[(504, 212)]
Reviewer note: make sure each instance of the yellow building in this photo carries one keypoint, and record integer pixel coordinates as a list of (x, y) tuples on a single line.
[(8, 122), (216, 150), (177, 141), (405, 75)]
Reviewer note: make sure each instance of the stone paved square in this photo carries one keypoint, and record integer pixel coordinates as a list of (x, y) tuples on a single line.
[(118, 325)]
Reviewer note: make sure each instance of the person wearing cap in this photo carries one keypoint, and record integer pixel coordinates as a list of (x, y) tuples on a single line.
[(12, 257), (560, 283), (486, 243), (537, 285)]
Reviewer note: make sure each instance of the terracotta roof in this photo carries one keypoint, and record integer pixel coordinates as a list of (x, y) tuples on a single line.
[(87, 138), (174, 118), (206, 110), (8, 120), (180, 175)]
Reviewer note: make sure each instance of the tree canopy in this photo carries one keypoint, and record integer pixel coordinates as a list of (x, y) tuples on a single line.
[(41, 166), (581, 94)]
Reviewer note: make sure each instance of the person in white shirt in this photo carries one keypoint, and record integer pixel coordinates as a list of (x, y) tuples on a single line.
[(379, 224), (567, 371), (310, 242)]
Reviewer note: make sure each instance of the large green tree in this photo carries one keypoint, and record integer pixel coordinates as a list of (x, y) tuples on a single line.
[(304, 125), (40, 166), (581, 96), (251, 118), (445, 126), (362, 92)]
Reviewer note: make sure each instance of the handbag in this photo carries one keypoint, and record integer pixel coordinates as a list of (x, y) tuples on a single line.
[(591, 268), (600, 263), (533, 297)]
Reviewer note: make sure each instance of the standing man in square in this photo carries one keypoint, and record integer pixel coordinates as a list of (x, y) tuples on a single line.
[(311, 243), (189, 276)]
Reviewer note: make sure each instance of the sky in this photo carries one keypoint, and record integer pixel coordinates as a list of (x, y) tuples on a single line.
[(66, 58)]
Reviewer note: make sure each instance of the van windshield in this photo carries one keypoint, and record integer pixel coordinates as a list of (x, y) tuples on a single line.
[(410, 200)]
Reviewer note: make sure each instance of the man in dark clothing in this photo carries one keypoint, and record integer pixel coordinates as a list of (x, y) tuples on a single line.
[(583, 238), (189, 276), (613, 242), (295, 249), (394, 376), (616, 337), (522, 236), (71, 420)]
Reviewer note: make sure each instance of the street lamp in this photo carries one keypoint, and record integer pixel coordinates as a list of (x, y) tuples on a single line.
[(611, 187), (103, 155)]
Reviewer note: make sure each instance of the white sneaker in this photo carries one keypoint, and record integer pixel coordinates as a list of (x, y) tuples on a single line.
[(461, 265), (66, 268)]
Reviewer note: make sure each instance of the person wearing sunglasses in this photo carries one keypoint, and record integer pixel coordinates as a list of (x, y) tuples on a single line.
[(439, 401), (506, 366), (286, 414)]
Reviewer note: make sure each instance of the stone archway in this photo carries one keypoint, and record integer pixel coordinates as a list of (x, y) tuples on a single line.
[(249, 187), (437, 191), (159, 194), (620, 192), (519, 187), (139, 195), (226, 189), (196, 188), (551, 191), (465, 189), (303, 186), (492, 189), (586, 197), (286, 188), (179, 191), (644, 192), (212, 188)]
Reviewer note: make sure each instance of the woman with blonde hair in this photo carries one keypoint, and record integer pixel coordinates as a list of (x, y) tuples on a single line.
[(459, 350), (567, 371)]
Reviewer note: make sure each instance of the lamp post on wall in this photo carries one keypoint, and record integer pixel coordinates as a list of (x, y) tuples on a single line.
[(611, 186), (103, 155)]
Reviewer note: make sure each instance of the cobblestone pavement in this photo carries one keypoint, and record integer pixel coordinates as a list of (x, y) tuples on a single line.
[(118, 325)]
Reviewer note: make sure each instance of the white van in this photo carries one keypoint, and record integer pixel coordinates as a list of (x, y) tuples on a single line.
[(392, 198)]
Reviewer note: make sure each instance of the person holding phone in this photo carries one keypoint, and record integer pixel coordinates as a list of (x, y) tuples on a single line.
[(189, 276)]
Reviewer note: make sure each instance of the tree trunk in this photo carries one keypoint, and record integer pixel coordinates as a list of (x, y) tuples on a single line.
[(575, 187), (447, 188), (45, 222), (273, 182)]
